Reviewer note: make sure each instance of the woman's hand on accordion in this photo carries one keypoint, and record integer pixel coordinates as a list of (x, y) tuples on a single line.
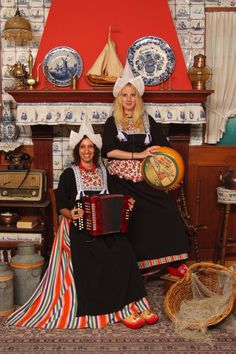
[(76, 213), (131, 202)]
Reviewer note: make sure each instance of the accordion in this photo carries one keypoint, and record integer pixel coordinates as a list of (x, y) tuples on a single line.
[(106, 214)]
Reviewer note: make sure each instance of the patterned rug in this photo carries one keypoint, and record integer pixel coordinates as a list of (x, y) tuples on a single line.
[(159, 338)]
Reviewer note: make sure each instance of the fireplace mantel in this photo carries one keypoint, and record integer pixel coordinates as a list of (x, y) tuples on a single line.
[(97, 95)]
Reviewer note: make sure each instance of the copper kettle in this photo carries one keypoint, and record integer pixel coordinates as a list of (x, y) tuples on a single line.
[(228, 179)]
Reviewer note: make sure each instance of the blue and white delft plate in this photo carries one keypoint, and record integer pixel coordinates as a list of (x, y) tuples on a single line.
[(61, 64), (152, 58)]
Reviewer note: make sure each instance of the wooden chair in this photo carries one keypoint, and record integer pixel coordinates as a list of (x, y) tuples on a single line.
[(191, 229), (55, 215)]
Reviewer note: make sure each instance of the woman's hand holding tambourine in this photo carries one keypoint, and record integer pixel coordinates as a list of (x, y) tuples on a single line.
[(148, 151)]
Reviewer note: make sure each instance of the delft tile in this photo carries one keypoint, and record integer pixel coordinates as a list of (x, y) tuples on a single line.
[(56, 174), (36, 3), (182, 11), (57, 162), (66, 147), (37, 27), (8, 3), (5, 72), (8, 45), (24, 11), (197, 12), (22, 57), (197, 41), (23, 3), (182, 25), (8, 58), (67, 161), (8, 84), (7, 12), (197, 26), (34, 43), (227, 3), (37, 14), (57, 147)]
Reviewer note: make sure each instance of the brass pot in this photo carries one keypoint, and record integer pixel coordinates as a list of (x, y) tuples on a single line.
[(9, 219), (228, 179)]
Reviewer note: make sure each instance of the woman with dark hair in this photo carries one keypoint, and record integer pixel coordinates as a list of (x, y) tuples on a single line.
[(91, 281)]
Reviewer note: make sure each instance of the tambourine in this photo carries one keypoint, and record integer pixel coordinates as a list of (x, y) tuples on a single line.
[(164, 170)]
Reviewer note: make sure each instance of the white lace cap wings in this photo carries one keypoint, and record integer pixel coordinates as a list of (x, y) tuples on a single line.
[(85, 129), (128, 77)]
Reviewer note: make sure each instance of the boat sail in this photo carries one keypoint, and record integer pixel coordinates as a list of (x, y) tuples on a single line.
[(107, 67)]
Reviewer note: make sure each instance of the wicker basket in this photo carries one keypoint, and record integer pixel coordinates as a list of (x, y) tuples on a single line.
[(182, 291)]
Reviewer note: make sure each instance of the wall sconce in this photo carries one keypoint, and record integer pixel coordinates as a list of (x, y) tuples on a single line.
[(17, 28), (199, 73)]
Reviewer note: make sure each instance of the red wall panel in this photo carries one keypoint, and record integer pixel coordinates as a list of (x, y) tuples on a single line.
[(83, 25)]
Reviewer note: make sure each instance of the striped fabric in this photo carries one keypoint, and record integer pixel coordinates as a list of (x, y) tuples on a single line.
[(54, 303), (153, 262)]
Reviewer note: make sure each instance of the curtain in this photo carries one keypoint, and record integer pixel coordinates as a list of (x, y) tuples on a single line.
[(221, 57)]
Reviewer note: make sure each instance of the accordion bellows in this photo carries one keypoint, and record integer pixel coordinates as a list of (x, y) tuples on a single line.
[(106, 214)]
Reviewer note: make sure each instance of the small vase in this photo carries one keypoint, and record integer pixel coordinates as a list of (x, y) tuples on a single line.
[(9, 131)]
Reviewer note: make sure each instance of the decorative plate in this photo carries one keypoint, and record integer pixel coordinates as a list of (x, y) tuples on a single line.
[(164, 170), (152, 58), (61, 64)]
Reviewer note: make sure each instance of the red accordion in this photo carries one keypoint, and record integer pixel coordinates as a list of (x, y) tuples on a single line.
[(106, 214)]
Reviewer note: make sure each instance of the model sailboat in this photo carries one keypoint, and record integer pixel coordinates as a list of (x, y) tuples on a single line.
[(107, 67)]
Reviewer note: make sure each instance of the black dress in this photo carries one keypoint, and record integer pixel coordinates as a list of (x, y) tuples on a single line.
[(105, 271), (156, 230)]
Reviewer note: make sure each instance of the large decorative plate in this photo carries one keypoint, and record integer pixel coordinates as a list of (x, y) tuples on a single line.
[(61, 64), (152, 58), (164, 170)]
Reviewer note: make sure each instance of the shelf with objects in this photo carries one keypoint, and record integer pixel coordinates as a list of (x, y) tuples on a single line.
[(11, 234), (100, 95)]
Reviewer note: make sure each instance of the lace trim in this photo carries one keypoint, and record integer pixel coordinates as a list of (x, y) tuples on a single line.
[(81, 186), (122, 134)]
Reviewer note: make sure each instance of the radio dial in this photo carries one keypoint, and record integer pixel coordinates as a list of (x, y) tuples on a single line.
[(4, 193), (34, 193)]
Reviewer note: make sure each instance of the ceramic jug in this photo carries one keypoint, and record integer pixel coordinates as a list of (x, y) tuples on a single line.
[(6, 290), (228, 179), (27, 266)]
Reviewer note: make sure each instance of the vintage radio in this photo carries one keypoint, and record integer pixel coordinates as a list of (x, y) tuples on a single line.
[(23, 185), (106, 214)]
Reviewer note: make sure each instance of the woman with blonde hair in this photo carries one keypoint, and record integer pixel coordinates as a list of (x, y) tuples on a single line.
[(156, 230)]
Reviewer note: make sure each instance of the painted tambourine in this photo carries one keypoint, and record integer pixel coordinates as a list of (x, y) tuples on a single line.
[(164, 170)]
